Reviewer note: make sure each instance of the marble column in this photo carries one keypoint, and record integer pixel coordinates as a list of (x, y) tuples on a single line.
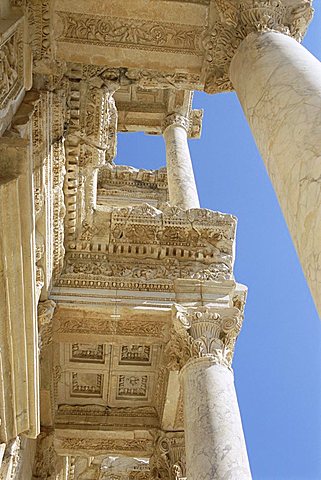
[(181, 181), (278, 83), (214, 439), (215, 445)]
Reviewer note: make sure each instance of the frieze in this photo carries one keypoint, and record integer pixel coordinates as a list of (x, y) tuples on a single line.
[(170, 226), (129, 33), (95, 265), (98, 326), (100, 410), (101, 446), (146, 79)]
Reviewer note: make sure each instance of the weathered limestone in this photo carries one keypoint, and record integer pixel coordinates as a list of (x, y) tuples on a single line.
[(181, 181), (278, 83)]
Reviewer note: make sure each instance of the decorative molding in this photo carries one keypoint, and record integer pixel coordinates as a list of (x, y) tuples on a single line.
[(135, 354), (132, 386), (59, 209), (100, 326), (102, 445), (87, 352), (84, 383), (39, 21), (99, 410), (129, 33)]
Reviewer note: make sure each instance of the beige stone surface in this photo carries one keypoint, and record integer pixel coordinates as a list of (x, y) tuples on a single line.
[(281, 98), (117, 284)]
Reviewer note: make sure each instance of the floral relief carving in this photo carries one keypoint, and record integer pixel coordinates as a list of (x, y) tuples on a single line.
[(133, 33), (132, 386), (168, 461), (100, 446)]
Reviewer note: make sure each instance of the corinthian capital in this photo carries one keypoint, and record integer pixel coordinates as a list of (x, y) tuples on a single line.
[(236, 20), (192, 123), (203, 332)]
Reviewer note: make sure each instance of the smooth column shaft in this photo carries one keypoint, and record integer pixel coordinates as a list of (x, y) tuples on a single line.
[(181, 181), (214, 440), (278, 83)]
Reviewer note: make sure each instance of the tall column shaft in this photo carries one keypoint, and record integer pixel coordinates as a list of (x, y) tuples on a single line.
[(278, 83), (181, 181), (215, 445)]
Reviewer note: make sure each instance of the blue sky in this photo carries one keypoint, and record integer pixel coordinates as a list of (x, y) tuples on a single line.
[(277, 363)]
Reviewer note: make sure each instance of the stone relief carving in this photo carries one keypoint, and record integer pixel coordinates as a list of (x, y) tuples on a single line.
[(59, 209), (90, 143), (11, 462), (132, 386), (124, 468), (100, 445), (87, 352), (168, 461), (45, 313), (100, 410), (149, 35), (87, 383), (11, 67), (203, 331), (138, 354), (48, 464), (101, 326)]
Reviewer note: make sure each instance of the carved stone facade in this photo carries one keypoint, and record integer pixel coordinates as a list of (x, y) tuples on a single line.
[(118, 288)]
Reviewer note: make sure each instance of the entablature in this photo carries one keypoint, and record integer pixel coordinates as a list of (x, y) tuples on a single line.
[(179, 42)]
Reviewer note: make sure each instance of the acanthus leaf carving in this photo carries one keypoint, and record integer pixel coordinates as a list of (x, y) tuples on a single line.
[(203, 331), (168, 461)]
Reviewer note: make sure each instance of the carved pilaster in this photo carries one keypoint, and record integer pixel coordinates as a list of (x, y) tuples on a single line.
[(9, 468), (168, 461), (48, 465), (45, 313)]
